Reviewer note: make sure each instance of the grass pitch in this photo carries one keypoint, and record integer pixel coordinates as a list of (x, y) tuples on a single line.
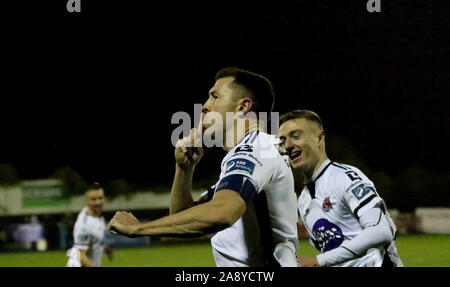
[(415, 251)]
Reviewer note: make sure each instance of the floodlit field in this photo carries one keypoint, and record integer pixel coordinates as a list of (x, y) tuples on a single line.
[(419, 250)]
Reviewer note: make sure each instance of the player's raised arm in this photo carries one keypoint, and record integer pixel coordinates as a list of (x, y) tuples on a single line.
[(188, 153)]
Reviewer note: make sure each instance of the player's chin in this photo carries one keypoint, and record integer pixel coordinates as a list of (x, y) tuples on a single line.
[(297, 163)]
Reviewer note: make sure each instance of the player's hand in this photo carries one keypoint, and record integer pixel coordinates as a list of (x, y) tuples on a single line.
[(123, 223), (308, 261), (109, 253), (189, 150)]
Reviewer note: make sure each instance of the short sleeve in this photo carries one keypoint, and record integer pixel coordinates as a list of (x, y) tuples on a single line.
[(251, 165), (81, 238), (245, 173), (258, 170)]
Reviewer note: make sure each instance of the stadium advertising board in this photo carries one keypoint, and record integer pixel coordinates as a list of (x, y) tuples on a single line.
[(45, 195)]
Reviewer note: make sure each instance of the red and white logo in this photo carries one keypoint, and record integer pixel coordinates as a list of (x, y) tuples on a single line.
[(326, 203)]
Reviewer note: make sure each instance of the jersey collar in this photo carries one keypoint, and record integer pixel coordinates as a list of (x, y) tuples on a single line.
[(312, 182), (321, 170), (249, 136)]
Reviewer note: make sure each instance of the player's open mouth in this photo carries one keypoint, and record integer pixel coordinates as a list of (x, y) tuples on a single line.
[(295, 155)]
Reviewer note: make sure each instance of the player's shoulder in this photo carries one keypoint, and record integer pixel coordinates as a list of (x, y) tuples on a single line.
[(344, 172), (257, 151), (82, 219), (260, 145), (345, 176)]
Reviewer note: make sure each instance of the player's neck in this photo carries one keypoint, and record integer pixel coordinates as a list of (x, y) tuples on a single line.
[(92, 213), (319, 163), (233, 136)]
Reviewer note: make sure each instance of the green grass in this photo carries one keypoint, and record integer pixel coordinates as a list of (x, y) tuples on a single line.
[(417, 250)]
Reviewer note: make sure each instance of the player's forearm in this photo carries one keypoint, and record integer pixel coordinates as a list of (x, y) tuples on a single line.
[(371, 236), (196, 221), (221, 212), (180, 195), (85, 261)]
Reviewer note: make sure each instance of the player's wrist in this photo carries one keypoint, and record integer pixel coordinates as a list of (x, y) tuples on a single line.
[(185, 169), (136, 230)]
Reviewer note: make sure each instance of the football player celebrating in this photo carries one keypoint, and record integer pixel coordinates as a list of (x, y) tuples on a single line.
[(251, 211), (345, 217), (89, 232)]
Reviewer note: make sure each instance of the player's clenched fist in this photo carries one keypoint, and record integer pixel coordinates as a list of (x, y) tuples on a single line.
[(188, 150), (123, 223)]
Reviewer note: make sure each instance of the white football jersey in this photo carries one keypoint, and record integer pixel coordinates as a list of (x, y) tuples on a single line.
[(89, 234), (330, 206), (267, 232)]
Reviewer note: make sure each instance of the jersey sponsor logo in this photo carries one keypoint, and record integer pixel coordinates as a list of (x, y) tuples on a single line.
[(361, 191), (249, 155), (230, 164), (240, 164), (327, 235)]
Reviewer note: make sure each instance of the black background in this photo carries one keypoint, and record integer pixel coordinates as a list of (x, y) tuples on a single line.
[(96, 90)]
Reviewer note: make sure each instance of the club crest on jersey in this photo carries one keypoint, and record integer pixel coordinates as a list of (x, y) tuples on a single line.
[(240, 164), (326, 204), (361, 191)]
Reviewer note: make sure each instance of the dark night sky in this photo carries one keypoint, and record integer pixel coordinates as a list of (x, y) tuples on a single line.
[(96, 91)]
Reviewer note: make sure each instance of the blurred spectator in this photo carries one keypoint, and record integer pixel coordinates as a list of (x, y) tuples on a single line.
[(29, 233), (65, 226)]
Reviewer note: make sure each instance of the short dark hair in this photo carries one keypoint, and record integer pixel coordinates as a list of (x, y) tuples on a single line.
[(94, 186), (301, 114), (259, 87)]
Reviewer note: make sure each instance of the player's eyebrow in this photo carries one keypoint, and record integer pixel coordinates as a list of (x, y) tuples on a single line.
[(214, 93), (291, 133)]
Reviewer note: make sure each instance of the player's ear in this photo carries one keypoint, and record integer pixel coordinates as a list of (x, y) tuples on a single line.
[(321, 136), (245, 105)]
